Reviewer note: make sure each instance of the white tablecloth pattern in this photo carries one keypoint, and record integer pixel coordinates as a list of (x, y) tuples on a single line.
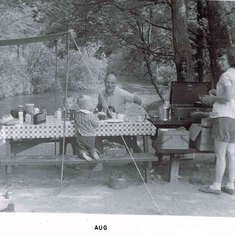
[(53, 128)]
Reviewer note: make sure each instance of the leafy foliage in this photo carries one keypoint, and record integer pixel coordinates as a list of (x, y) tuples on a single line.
[(131, 38)]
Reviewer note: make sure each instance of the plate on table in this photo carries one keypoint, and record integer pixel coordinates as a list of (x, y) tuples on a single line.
[(8, 120), (10, 123), (114, 120)]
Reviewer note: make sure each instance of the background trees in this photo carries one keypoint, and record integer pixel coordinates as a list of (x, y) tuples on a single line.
[(145, 41)]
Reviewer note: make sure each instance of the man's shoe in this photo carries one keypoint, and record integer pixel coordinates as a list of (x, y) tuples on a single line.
[(228, 190), (208, 189)]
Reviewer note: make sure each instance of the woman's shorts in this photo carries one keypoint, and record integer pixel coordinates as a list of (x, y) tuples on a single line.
[(223, 129)]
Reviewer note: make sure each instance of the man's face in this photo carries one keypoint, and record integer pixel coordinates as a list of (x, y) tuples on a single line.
[(223, 63), (110, 84)]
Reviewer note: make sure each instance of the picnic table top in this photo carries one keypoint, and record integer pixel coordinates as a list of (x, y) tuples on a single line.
[(54, 128)]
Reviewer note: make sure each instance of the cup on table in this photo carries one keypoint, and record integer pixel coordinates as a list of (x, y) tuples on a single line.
[(140, 118), (120, 116), (29, 108)]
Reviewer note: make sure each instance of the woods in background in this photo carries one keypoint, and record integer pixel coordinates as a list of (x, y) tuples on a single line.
[(153, 40)]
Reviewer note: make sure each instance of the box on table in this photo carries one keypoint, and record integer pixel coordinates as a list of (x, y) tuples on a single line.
[(172, 139), (201, 137)]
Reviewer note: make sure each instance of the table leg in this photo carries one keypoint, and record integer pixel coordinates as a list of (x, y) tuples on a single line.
[(173, 173), (148, 165), (55, 152), (61, 146), (8, 167), (147, 168), (146, 143)]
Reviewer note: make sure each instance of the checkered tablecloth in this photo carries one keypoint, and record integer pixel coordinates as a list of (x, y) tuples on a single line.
[(53, 128)]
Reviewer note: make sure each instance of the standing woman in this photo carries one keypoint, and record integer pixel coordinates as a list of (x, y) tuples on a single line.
[(223, 130)]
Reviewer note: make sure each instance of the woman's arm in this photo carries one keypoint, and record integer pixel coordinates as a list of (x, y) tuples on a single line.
[(227, 91)]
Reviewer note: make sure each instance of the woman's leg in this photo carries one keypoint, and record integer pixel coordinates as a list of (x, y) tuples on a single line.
[(220, 152), (231, 165)]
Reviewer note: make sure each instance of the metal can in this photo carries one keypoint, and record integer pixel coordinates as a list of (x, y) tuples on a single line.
[(165, 111)]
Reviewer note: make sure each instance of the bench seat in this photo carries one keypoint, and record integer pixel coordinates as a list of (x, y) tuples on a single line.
[(50, 160)]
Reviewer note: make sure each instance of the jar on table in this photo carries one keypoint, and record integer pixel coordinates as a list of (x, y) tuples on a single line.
[(28, 118), (59, 114)]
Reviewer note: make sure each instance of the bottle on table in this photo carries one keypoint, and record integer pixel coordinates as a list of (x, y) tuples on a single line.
[(59, 114), (21, 114), (165, 111)]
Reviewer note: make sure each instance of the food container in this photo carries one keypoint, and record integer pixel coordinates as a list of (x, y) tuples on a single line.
[(69, 115), (58, 114), (39, 118), (117, 182), (120, 116), (172, 139), (29, 108), (36, 110)]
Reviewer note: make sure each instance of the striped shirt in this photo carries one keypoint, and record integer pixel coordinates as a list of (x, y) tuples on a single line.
[(86, 123)]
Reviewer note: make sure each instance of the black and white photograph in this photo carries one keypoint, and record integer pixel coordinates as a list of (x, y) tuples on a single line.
[(117, 113)]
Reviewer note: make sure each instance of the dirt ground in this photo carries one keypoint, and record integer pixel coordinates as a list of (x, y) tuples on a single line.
[(38, 189)]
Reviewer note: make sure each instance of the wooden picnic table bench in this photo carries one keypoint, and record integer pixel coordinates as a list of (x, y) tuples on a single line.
[(21, 137)]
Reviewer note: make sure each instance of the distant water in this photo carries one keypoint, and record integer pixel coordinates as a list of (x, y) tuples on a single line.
[(51, 101)]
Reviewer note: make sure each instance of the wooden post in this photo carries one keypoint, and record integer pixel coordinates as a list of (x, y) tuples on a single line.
[(145, 143), (148, 165), (173, 173), (8, 167)]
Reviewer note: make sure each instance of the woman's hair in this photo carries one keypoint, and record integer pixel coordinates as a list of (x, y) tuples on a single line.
[(231, 56)]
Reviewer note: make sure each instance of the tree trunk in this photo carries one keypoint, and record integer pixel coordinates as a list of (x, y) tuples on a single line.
[(200, 41), (182, 47), (218, 34)]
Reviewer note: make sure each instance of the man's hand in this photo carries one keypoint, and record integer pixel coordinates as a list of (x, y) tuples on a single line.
[(137, 100)]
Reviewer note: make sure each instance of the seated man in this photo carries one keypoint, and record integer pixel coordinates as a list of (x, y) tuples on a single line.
[(113, 98)]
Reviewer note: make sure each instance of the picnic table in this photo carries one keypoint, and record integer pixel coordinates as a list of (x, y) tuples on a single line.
[(20, 137)]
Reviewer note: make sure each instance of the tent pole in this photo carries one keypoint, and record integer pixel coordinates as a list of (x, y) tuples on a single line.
[(66, 94)]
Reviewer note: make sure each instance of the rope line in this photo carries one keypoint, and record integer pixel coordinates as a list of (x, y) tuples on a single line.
[(128, 150), (81, 56), (141, 176)]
